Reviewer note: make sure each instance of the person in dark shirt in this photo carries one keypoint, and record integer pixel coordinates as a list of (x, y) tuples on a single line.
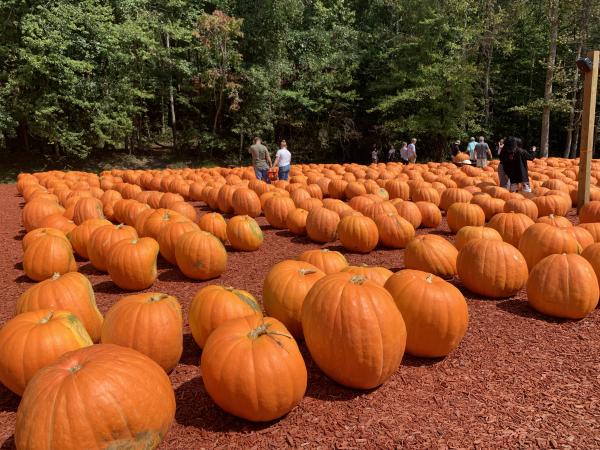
[(514, 163), (455, 149)]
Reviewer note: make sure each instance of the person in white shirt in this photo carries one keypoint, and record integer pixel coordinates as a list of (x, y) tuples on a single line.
[(412, 151), (283, 160), (404, 153)]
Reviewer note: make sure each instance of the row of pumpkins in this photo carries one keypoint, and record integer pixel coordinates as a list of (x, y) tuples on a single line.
[(251, 365)]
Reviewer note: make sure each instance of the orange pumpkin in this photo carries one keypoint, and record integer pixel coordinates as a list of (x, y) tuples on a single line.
[(88, 208), (434, 311), (296, 221), (411, 212), (80, 235), (432, 254), (102, 240), (467, 234), (322, 224), (150, 323), (324, 259), (246, 202), (552, 204), (331, 310), (244, 233), (257, 349), (34, 235), (431, 216), (394, 231), (590, 212), (541, 240), (121, 402), (200, 255), (213, 305), (583, 236), (58, 222), (593, 229), (215, 224), (131, 263), (277, 209), (47, 255), (511, 226), (454, 195), (33, 340), (186, 210), (376, 274), (555, 221), (464, 214), (592, 254), (35, 210), (358, 233), (523, 206)]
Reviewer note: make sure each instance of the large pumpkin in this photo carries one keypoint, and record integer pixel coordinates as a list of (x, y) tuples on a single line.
[(358, 233), (102, 396), (213, 305), (284, 290), (464, 214), (454, 195), (150, 323), (34, 235), (103, 239), (170, 234), (33, 340), (563, 285), (590, 212), (80, 235), (326, 260), (132, 263), (277, 209), (244, 233), (511, 226), (466, 234), (541, 240), (215, 224), (376, 274), (593, 229), (246, 202), (362, 356), (523, 206), (592, 254), (434, 311), (552, 204), (200, 255), (296, 221), (70, 292), (252, 368), (321, 225), (491, 268), (58, 222), (394, 231), (35, 210), (47, 255), (431, 253), (88, 208), (431, 216), (411, 212)]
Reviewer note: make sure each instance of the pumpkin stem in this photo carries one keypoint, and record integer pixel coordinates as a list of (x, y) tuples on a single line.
[(47, 317), (75, 368), (134, 241), (55, 276), (358, 279), (263, 330), (429, 278), (119, 226), (157, 297), (306, 271)]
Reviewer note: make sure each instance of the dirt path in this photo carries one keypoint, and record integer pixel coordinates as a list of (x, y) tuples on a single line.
[(517, 380)]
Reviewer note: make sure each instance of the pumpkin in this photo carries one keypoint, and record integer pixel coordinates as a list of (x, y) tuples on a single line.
[(337, 189), (310, 204), (246, 202), (592, 228), (337, 206), (510, 226), (434, 311), (131, 263), (464, 214), (155, 222), (552, 204), (467, 234), (33, 340), (35, 210), (88, 208), (102, 240), (410, 212), (555, 221), (200, 255), (592, 254), (454, 195), (425, 194), (490, 206), (330, 314), (358, 233), (492, 268), (376, 274), (284, 290), (324, 259), (431, 216), (583, 236), (322, 224), (252, 368), (590, 212), (34, 235), (394, 231), (523, 206), (277, 209), (170, 234), (132, 408), (541, 240), (80, 235), (563, 285), (168, 198), (296, 221), (186, 210), (244, 233), (150, 323), (46, 255), (215, 224), (432, 254), (58, 222), (213, 305)]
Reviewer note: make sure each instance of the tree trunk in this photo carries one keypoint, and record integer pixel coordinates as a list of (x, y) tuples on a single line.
[(241, 148), (575, 143), (218, 111), (486, 97), (171, 95), (553, 20)]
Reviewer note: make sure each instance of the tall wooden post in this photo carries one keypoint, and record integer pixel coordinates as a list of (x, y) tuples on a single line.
[(587, 129)]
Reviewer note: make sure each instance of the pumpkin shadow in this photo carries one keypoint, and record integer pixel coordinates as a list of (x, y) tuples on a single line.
[(522, 308), (20, 236), (191, 351), (195, 408), (285, 234), (9, 401), (23, 279), (172, 275), (415, 361), (9, 444), (162, 263), (302, 240), (108, 287), (89, 269), (18, 266)]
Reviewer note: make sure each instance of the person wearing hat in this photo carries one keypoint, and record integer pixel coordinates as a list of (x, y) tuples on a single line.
[(455, 149)]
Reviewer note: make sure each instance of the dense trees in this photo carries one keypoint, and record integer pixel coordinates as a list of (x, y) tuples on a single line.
[(330, 76)]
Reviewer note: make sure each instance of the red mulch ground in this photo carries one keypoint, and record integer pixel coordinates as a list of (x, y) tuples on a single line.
[(517, 380)]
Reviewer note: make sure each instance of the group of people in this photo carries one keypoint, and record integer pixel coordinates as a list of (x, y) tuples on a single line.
[(406, 155), (261, 160)]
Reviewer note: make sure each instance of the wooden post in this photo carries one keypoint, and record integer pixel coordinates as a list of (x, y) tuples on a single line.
[(587, 129)]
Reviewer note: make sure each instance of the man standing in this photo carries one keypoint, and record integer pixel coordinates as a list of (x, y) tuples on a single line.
[(261, 160), (412, 151), (482, 153), (391, 153), (471, 149)]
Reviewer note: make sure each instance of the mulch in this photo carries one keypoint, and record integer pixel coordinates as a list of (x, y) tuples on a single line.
[(518, 380)]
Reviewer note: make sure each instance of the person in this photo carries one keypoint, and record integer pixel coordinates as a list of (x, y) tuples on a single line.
[(283, 159), (374, 155), (261, 160), (404, 153), (533, 149), (412, 151), (471, 149), (499, 146), (514, 163), (391, 153), (482, 153), (455, 149)]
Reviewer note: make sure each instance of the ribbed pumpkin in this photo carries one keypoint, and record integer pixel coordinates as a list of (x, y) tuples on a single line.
[(213, 305), (284, 290), (411, 212), (132, 407), (593, 229), (170, 234), (58, 222), (358, 233), (47, 255), (361, 357), (555, 221), (491, 268), (87, 208), (523, 206), (102, 240), (246, 202), (244, 233), (155, 222), (321, 225), (425, 194), (296, 221), (590, 212), (454, 195), (491, 206), (33, 340), (70, 292), (563, 285), (398, 189), (35, 210), (376, 274), (150, 323), (541, 240), (431, 216), (467, 234), (34, 235), (277, 209), (511, 226), (431, 253), (215, 224), (434, 311), (324, 259), (186, 210), (131, 263), (394, 231), (200, 255), (551, 204), (252, 368), (464, 214), (81, 234), (582, 236), (592, 255), (377, 208)]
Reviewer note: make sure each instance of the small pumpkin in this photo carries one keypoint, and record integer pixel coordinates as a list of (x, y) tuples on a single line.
[(102, 239), (200, 255), (324, 259), (244, 233), (432, 254), (358, 233), (131, 263), (321, 225), (510, 226), (215, 224), (394, 231), (296, 221), (464, 214), (47, 255)]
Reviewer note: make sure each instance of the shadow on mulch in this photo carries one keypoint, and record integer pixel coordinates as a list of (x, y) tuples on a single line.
[(89, 269), (20, 236), (162, 263), (191, 351), (172, 274), (18, 266), (23, 279), (438, 232), (195, 408), (285, 234), (522, 308), (302, 240), (9, 402), (9, 444), (414, 361), (108, 287)]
